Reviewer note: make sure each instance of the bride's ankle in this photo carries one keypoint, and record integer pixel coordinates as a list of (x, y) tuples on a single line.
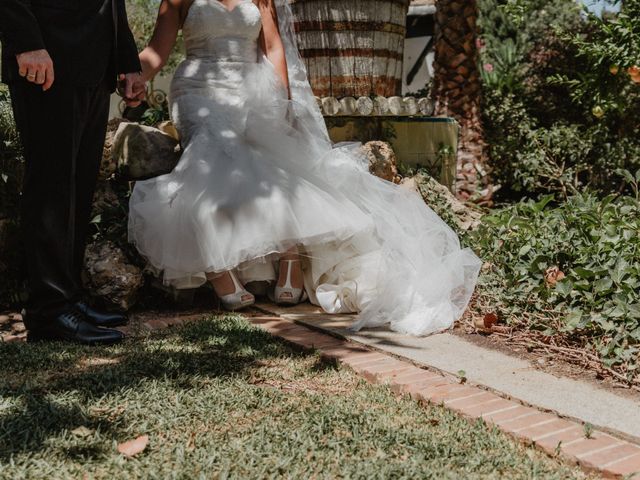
[(222, 283), (230, 292), (290, 270)]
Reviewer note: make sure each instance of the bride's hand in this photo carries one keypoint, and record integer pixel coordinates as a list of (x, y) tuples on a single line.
[(133, 88)]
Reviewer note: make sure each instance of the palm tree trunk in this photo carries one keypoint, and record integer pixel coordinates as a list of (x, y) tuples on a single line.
[(457, 91)]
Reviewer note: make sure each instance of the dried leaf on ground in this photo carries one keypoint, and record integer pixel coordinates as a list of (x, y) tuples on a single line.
[(553, 275), (134, 447), (487, 322)]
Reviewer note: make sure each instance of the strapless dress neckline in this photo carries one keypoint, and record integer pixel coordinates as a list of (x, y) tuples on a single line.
[(233, 9)]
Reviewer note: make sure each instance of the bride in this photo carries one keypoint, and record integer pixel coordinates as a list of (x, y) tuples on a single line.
[(261, 196)]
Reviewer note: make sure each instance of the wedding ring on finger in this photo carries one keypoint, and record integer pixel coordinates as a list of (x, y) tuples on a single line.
[(31, 77)]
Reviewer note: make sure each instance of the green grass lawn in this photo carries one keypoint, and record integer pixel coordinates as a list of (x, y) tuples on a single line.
[(222, 399)]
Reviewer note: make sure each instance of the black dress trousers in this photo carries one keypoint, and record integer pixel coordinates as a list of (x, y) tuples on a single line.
[(63, 133)]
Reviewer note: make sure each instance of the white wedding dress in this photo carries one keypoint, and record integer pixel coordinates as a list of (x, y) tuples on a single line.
[(258, 175)]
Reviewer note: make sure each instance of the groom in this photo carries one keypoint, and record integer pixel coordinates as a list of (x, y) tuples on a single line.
[(61, 60)]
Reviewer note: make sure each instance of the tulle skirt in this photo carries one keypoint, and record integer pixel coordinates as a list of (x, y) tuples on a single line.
[(257, 177)]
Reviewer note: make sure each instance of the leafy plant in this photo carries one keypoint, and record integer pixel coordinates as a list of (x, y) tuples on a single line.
[(11, 162), (570, 269), (612, 49), (154, 115), (510, 31), (530, 159), (556, 119), (11, 172), (504, 69)]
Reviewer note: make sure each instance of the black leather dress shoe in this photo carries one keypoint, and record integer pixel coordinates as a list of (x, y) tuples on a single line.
[(101, 319), (72, 326)]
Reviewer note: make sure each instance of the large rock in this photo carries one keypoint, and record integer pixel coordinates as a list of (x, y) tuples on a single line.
[(382, 160), (111, 277), (463, 217), (109, 164), (144, 152)]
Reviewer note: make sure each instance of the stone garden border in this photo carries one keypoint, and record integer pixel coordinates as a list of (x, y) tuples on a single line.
[(559, 437)]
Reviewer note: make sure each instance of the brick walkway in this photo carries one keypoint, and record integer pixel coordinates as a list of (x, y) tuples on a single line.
[(600, 452)]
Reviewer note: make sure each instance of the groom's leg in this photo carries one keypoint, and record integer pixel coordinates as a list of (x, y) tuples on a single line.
[(88, 165), (47, 122)]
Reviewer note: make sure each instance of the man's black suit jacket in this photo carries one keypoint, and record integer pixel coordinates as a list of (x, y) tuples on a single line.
[(80, 36)]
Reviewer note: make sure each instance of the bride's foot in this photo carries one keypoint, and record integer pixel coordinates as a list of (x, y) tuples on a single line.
[(231, 293), (290, 287)]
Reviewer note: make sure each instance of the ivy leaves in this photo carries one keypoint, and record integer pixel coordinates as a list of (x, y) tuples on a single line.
[(576, 264)]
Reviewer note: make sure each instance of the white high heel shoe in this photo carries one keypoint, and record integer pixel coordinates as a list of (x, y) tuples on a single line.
[(234, 301), (288, 295)]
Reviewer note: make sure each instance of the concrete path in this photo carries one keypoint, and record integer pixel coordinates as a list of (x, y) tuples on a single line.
[(508, 375)]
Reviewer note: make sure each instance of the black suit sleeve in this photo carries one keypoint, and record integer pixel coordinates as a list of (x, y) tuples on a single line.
[(128, 61), (19, 27)]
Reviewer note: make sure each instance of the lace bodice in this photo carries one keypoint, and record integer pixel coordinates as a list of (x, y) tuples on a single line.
[(213, 32)]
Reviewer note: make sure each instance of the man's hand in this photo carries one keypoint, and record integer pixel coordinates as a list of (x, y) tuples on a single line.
[(37, 67), (133, 88)]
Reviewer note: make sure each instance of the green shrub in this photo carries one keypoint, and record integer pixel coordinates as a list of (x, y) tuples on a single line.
[(11, 172), (11, 162), (506, 42), (530, 159), (611, 48), (595, 243), (543, 130)]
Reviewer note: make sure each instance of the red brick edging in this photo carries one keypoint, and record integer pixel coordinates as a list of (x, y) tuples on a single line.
[(600, 452)]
